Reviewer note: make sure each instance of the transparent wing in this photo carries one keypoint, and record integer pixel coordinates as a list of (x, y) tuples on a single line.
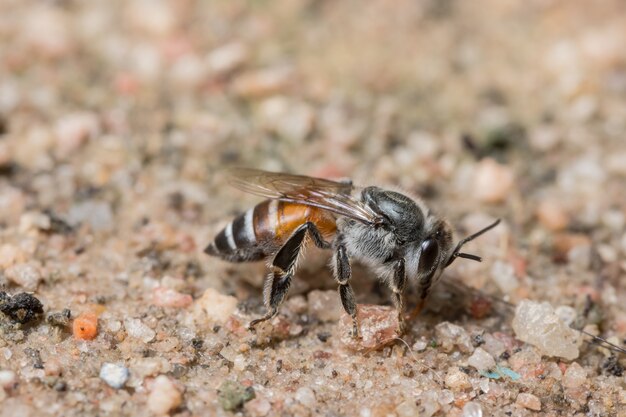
[(325, 194)]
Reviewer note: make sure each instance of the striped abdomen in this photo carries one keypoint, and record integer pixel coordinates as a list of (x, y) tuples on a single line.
[(261, 231)]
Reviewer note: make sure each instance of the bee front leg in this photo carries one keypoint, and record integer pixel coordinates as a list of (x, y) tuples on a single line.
[(424, 289), (343, 273), (397, 285)]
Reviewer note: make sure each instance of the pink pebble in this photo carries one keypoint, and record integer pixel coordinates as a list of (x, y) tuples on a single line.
[(167, 297)]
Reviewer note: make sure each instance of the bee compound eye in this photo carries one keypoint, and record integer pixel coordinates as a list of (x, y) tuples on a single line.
[(429, 256)]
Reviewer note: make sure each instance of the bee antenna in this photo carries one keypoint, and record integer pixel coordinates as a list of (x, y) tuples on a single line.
[(456, 253), (469, 256)]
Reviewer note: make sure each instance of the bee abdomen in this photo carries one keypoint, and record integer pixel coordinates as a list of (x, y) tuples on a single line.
[(237, 242)]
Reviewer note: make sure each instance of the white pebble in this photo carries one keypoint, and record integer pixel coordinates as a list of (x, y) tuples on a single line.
[(164, 396), (503, 274), (306, 397), (215, 306), (114, 375), (450, 335), (240, 363), (472, 409), (493, 346), (73, 131), (567, 314), (407, 409), (481, 360), (139, 330), (98, 215), (33, 221), (227, 58), (7, 379), (457, 380), (420, 345), (539, 325)]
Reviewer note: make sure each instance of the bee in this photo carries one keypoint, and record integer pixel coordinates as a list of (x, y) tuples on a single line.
[(395, 235)]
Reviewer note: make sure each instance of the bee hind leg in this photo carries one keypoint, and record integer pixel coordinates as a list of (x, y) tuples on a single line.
[(283, 268)]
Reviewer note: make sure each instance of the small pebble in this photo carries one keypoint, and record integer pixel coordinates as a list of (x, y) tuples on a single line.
[(377, 328), (53, 367), (137, 329), (7, 379), (167, 297), (493, 182), (257, 407), (288, 119), (60, 319), (407, 409), (97, 214), (232, 395), (262, 82), (73, 131), (493, 346), (539, 325), (26, 275), (503, 274), (472, 409), (450, 335), (164, 396), (11, 254), (114, 375), (85, 326), (215, 306), (481, 360), (528, 401), (420, 345), (574, 376), (552, 215), (227, 58), (457, 380), (34, 221), (306, 397), (325, 305)]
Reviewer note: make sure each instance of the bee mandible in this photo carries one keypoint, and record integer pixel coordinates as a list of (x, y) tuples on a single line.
[(395, 235)]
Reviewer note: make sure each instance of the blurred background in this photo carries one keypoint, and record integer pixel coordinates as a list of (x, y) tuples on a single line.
[(134, 95)]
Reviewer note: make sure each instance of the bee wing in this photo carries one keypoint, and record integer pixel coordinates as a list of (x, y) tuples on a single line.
[(317, 192)]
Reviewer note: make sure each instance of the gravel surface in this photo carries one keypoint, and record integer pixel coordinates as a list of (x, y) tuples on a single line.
[(118, 117)]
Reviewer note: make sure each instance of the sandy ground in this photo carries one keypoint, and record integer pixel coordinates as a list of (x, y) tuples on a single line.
[(117, 117)]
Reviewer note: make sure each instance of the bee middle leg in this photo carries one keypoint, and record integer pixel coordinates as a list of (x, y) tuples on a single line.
[(343, 273), (397, 285), (283, 268)]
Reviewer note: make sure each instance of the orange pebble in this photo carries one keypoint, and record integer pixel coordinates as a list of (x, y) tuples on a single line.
[(85, 326)]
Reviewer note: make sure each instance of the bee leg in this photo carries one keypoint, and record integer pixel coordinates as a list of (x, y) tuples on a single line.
[(283, 268), (397, 285), (343, 272), (424, 290)]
